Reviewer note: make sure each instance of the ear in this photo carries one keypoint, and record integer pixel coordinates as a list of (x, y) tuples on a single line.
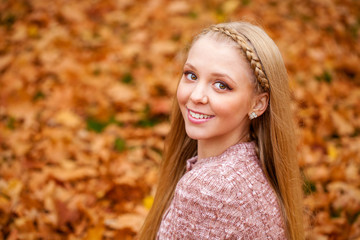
[(260, 103)]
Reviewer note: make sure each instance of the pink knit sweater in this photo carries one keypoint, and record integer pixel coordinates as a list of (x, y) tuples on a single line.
[(224, 197)]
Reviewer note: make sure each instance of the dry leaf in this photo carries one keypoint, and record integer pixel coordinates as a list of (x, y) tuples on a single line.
[(120, 93), (71, 174), (68, 118), (178, 7), (131, 221), (342, 126)]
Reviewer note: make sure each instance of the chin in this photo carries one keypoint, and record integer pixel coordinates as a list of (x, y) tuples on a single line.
[(197, 136)]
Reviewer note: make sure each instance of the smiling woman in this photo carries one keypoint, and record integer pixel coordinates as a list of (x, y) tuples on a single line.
[(217, 82), (230, 169)]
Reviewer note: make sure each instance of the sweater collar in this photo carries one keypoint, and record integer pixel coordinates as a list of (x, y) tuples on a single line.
[(244, 149)]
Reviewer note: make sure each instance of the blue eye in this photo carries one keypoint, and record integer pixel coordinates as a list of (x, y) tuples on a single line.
[(191, 76), (221, 86)]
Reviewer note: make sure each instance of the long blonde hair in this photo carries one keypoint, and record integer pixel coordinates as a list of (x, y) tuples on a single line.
[(273, 132)]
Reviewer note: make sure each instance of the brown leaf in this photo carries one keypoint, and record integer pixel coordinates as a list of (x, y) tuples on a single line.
[(342, 126), (131, 221), (121, 93), (64, 175), (346, 195), (164, 48), (5, 61), (65, 214), (319, 173), (178, 7), (160, 105)]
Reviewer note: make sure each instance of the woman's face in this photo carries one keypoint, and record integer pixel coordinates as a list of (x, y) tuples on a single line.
[(215, 92)]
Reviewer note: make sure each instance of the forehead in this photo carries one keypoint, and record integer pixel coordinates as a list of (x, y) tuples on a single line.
[(209, 45), (210, 54), (218, 39), (212, 49)]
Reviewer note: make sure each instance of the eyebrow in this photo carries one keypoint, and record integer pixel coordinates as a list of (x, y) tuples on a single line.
[(223, 75)]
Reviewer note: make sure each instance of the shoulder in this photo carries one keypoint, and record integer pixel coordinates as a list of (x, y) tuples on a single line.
[(236, 182), (235, 172)]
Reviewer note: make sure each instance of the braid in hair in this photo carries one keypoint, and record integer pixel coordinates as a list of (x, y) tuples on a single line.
[(250, 54)]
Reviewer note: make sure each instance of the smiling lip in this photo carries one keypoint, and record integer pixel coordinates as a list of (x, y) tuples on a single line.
[(197, 117)]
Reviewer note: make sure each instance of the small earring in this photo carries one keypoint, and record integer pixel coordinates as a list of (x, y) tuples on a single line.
[(252, 116)]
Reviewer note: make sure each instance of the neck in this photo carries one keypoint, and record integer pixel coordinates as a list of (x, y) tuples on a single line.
[(214, 147)]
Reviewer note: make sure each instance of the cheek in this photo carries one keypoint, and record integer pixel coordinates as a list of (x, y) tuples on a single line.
[(228, 108), (182, 94)]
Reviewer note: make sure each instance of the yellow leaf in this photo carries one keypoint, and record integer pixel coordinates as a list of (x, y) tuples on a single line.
[(220, 17), (230, 6), (95, 233), (148, 201), (332, 152), (33, 31), (3, 201), (14, 188)]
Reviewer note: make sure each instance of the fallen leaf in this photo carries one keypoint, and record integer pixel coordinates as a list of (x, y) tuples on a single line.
[(68, 118), (71, 174), (131, 221), (342, 126)]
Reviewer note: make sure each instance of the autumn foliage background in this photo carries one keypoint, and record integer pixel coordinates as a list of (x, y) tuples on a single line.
[(85, 94)]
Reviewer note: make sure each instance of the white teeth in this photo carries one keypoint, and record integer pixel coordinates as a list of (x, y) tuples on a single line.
[(199, 116)]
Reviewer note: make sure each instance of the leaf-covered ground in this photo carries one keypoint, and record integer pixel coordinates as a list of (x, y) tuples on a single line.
[(85, 94)]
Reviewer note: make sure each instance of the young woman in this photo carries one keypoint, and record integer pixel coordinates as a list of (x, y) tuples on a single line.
[(229, 169)]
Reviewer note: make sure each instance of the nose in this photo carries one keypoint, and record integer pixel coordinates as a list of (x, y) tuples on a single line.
[(199, 94)]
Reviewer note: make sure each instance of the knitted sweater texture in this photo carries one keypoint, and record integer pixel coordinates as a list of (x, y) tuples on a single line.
[(224, 197)]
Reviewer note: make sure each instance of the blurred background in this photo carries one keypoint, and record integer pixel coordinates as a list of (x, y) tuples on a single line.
[(85, 94)]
